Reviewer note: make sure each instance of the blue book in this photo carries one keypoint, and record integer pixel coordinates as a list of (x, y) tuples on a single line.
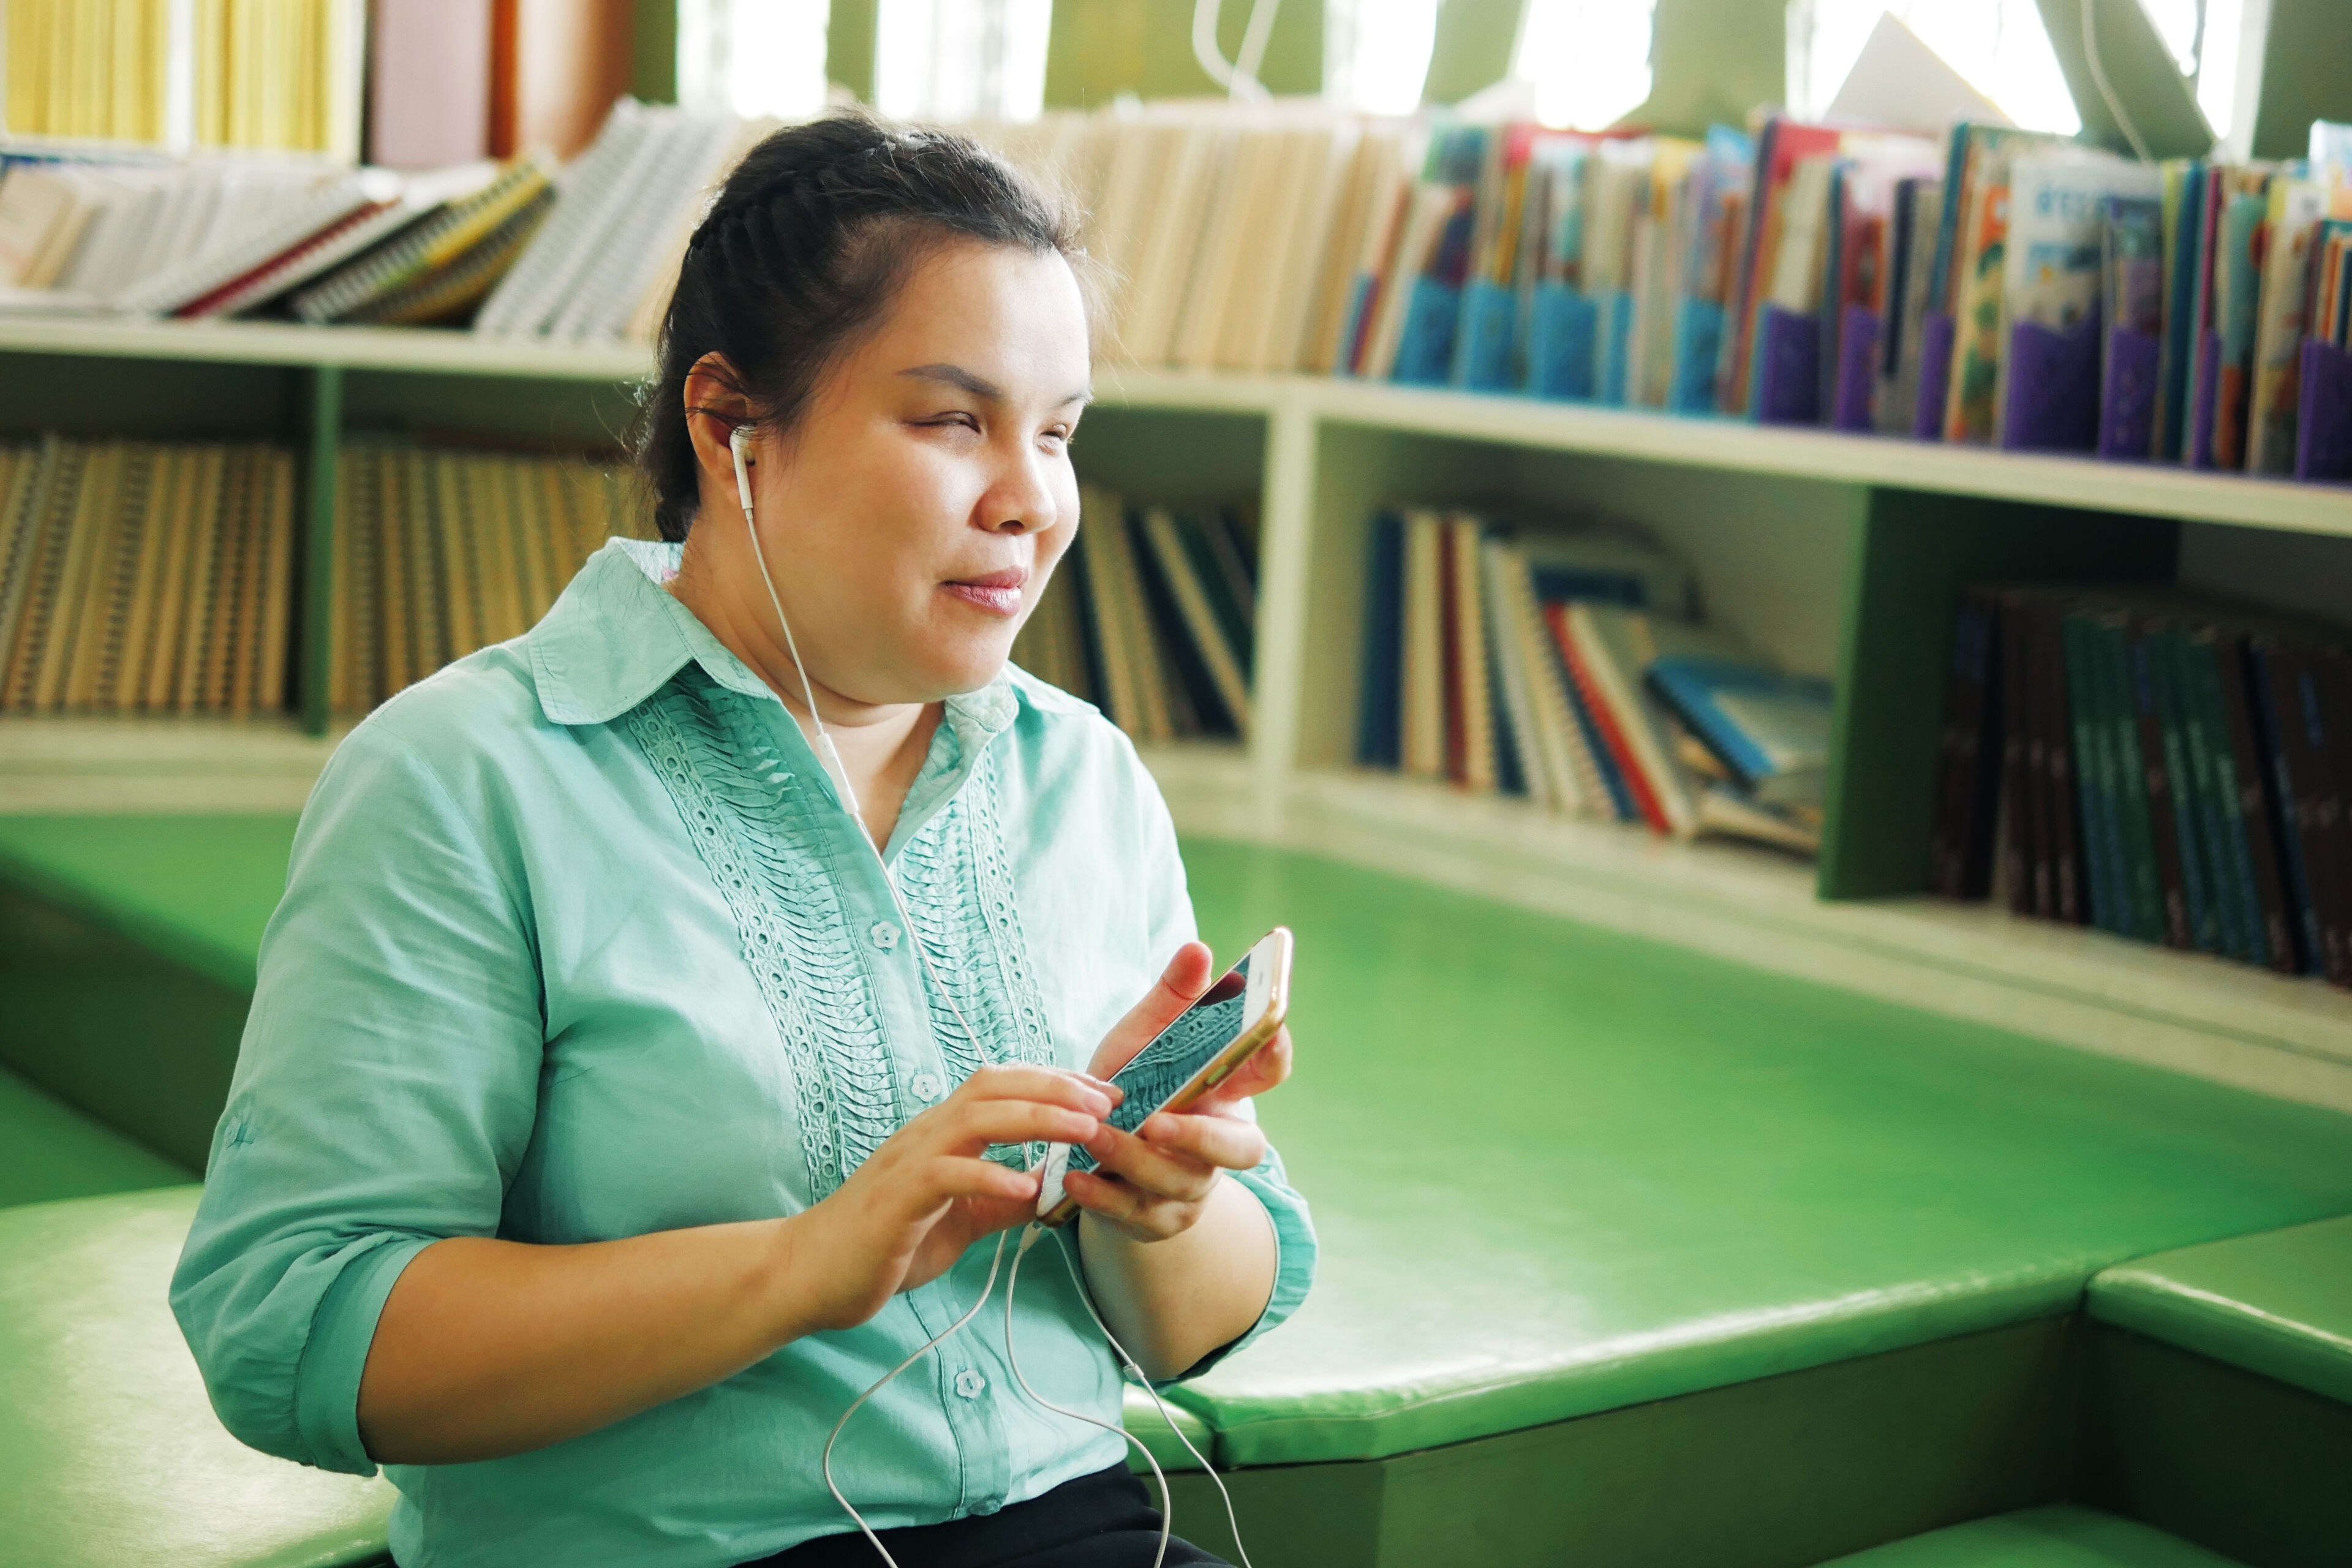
[(2180, 318), (1616, 347), (1771, 731), (1561, 333), (1481, 341), (1379, 698)]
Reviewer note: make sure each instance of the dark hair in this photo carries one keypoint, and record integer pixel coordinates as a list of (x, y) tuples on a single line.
[(802, 252)]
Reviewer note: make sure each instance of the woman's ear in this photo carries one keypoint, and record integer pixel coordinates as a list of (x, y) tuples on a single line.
[(715, 405)]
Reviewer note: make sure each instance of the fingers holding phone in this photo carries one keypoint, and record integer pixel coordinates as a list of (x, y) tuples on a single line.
[(1190, 1076)]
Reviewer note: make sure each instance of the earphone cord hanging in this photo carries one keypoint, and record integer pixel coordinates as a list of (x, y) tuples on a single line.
[(1029, 1238)]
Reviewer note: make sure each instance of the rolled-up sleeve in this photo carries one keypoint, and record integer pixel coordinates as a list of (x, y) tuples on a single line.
[(384, 1093)]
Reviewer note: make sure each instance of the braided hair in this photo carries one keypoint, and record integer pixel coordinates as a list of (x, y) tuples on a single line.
[(800, 254)]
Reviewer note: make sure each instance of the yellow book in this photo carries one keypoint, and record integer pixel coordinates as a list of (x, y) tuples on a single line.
[(428, 570), (198, 592), (338, 626), (359, 555), (126, 682), (277, 618), (503, 587), (461, 574), (232, 566), (199, 467), (241, 653), (395, 663), (78, 613), (20, 534), (519, 502), (98, 651), (47, 539), (568, 524), (24, 36)]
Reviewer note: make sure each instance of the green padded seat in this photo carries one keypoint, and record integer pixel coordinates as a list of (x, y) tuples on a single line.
[(197, 890), (109, 1455), (1558, 1171), (2279, 1303), (49, 1151), (2056, 1537)]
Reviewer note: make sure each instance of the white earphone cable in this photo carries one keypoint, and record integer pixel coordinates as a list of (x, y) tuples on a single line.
[(1029, 1235), (884, 1381), (1166, 1415)]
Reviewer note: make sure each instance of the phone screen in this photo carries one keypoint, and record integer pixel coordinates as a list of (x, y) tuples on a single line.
[(1179, 1051)]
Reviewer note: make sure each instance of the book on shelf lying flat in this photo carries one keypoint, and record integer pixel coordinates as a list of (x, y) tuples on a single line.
[(2168, 767), (437, 243), (1554, 664), (145, 575), (1149, 616)]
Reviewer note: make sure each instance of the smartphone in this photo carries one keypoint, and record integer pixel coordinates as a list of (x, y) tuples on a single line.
[(1231, 1022)]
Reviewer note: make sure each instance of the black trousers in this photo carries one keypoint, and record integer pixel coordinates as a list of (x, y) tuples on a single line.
[(1102, 1520)]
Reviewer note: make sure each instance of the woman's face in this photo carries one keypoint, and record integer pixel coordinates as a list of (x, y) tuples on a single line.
[(914, 514)]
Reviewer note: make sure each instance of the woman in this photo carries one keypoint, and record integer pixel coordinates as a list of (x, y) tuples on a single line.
[(603, 1126)]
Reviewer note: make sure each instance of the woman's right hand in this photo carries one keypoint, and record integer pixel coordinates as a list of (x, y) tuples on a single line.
[(906, 1214)]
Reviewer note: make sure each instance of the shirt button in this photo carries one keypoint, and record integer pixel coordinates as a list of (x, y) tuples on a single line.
[(926, 1087), (970, 1384), (884, 935)]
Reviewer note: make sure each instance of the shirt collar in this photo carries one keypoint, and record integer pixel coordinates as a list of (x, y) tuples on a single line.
[(617, 635)]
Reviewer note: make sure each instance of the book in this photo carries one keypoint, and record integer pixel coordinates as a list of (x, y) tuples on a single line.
[(1769, 728), (435, 243), (2208, 742)]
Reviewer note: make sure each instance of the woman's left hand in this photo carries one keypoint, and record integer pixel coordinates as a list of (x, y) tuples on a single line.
[(1167, 1170)]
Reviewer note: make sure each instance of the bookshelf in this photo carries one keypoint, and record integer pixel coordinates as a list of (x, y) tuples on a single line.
[(1838, 555)]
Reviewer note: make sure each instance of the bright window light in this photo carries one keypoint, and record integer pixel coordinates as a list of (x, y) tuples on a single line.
[(752, 58), (2217, 72), (961, 59), (1998, 45), (1589, 60), (1376, 52)]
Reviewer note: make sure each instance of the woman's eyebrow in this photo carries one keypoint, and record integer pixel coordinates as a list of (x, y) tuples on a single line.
[(980, 387)]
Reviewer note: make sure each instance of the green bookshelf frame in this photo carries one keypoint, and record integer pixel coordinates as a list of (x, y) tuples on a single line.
[(1837, 554)]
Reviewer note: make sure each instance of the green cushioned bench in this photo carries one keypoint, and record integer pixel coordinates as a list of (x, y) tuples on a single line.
[(2279, 1303), (109, 1455), (50, 1151), (2055, 1537), (2220, 1393), (1630, 1255)]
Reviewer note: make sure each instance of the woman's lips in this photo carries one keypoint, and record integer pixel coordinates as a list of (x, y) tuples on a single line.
[(999, 592)]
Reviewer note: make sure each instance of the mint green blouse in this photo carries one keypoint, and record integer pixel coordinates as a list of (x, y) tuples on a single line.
[(579, 943)]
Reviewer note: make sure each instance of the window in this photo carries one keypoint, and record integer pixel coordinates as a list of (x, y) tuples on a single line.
[(1588, 60), (753, 57), (1998, 45), (961, 59), (1376, 52)]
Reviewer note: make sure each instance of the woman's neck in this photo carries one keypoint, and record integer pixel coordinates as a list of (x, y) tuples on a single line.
[(882, 745)]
